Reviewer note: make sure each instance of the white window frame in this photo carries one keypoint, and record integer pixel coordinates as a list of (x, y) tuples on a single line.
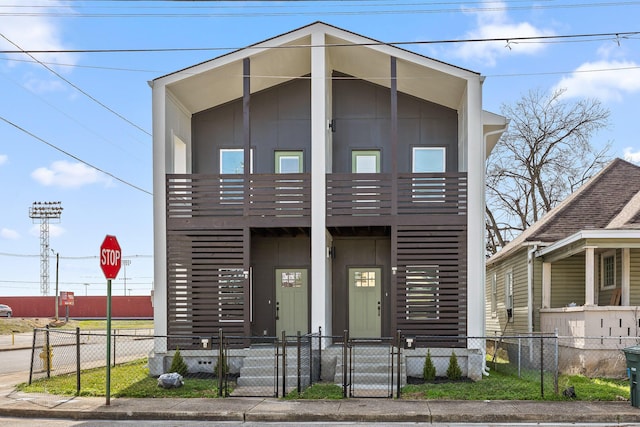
[(431, 189), (443, 150), (603, 257), (289, 154)]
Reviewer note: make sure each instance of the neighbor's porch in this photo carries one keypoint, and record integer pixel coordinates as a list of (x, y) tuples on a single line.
[(590, 287)]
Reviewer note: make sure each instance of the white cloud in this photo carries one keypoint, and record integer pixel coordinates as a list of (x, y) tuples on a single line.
[(588, 80), (68, 175), (632, 156), (30, 29), (3, 159), (54, 230), (9, 234), (497, 25)]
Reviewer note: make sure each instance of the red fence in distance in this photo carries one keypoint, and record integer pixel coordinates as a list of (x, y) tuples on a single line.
[(87, 307)]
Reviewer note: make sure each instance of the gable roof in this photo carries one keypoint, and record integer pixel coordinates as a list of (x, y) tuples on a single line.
[(288, 56), (609, 200)]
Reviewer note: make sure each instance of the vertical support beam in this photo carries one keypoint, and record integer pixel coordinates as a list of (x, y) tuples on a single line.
[(589, 275), (320, 286), (475, 149), (546, 285), (626, 277), (394, 195), (160, 300), (246, 128), (394, 136)]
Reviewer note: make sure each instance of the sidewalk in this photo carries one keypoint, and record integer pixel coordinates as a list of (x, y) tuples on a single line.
[(348, 410)]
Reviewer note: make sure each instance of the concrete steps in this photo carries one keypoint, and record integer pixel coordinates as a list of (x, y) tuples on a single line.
[(369, 371), (262, 367)]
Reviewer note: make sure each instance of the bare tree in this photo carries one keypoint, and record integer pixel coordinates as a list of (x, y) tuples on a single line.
[(544, 156)]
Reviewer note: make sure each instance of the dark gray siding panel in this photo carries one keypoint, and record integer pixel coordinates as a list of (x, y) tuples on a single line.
[(280, 120), (362, 115)]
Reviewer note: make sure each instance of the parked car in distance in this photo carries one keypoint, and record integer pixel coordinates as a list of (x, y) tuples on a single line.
[(5, 310)]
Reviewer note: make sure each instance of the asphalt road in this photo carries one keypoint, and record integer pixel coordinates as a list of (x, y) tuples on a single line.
[(22, 422)]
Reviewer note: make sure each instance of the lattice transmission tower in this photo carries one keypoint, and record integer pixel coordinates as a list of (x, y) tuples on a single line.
[(44, 212)]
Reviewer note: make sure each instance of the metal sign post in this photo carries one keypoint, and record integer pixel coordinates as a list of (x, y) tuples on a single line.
[(110, 262)]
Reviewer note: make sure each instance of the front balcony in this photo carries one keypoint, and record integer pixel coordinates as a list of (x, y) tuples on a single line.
[(274, 200)]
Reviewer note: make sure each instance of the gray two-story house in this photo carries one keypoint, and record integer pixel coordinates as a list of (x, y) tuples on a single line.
[(321, 180)]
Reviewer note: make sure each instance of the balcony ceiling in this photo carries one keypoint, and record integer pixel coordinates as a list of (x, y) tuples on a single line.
[(287, 57)]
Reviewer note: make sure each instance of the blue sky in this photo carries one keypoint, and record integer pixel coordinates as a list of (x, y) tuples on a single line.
[(96, 107)]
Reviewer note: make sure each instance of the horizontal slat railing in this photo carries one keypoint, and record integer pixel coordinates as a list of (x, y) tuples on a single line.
[(363, 194), (269, 195), (432, 193), (289, 195)]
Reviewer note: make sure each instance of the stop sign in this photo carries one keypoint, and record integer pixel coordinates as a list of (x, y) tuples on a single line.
[(110, 257)]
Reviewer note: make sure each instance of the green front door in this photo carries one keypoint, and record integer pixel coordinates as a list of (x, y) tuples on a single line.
[(292, 309), (365, 302)]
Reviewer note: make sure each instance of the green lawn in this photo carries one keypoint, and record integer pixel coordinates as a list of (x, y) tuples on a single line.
[(127, 380), (132, 380)]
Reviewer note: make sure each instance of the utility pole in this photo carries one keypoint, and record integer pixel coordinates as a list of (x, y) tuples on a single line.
[(44, 212), (57, 268)]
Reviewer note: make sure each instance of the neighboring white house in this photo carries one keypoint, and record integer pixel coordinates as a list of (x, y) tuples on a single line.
[(320, 179)]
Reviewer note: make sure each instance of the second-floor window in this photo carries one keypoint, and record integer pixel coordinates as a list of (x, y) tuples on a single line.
[(365, 161), (288, 162), (232, 161), (428, 159)]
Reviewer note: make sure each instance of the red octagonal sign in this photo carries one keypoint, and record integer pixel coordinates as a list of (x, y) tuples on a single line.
[(110, 257)]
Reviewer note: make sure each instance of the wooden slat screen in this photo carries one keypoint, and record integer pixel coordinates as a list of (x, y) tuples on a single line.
[(432, 281), (432, 193), (206, 284)]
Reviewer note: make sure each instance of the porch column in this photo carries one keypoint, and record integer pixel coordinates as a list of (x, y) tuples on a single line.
[(320, 288), (626, 277), (589, 276), (546, 285)]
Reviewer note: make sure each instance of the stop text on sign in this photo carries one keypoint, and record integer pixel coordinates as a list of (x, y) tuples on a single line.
[(110, 257)]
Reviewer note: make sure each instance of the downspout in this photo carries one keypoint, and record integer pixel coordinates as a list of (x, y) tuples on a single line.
[(485, 372), (530, 263)]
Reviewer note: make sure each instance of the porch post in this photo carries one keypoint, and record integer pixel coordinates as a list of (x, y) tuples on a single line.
[(320, 288), (589, 275), (626, 277), (546, 285)]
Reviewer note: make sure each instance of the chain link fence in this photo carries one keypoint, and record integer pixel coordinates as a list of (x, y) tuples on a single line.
[(276, 366)]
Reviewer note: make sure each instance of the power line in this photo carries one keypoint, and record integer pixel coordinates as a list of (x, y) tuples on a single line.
[(74, 157), (77, 87), (371, 9), (535, 39)]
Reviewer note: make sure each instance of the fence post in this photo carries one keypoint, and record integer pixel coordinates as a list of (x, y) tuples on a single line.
[(519, 355), (115, 332), (221, 362), (345, 366), (298, 371), (319, 353), (555, 370), (284, 364), (399, 343), (541, 365), (77, 361), (33, 353), (48, 352)]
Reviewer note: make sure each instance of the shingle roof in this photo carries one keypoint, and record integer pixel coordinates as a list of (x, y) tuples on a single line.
[(593, 206)]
